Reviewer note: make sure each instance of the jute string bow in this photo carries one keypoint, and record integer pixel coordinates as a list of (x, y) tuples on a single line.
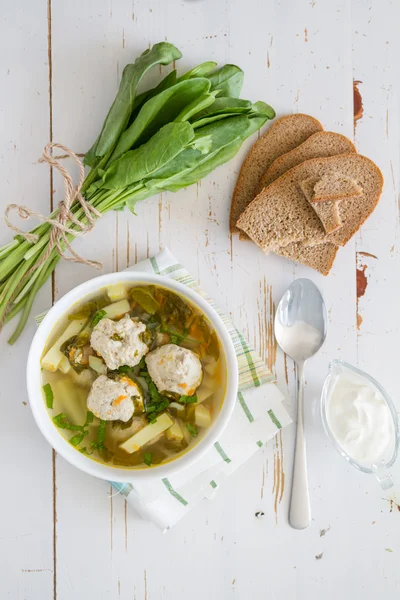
[(59, 227), (61, 224)]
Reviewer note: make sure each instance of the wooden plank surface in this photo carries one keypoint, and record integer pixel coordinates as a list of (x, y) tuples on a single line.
[(26, 523), (64, 534)]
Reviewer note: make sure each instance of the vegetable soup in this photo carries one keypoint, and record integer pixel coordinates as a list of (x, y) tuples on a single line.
[(134, 376)]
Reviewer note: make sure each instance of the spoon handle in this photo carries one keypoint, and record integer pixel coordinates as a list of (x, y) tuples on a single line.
[(300, 512)]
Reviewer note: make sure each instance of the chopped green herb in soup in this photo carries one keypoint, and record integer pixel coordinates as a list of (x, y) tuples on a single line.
[(133, 377)]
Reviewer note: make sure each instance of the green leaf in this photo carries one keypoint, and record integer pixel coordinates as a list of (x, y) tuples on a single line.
[(89, 418), (261, 108), (168, 81), (48, 393), (147, 458), (202, 143), (101, 436), (201, 70), (90, 158), (77, 439), (62, 422), (158, 111), (221, 133), (145, 298), (211, 119), (191, 165), (60, 419), (226, 151), (192, 429), (196, 106), (205, 167), (143, 162), (101, 432), (159, 403), (176, 337), (72, 349), (99, 315), (264, 108), (154, 393), (84, 312), (224, 105), (222, 156), (228, 79), (188, 399), (121, 109)]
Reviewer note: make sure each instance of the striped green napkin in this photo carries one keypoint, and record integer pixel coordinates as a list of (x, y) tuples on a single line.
[(257, 417)]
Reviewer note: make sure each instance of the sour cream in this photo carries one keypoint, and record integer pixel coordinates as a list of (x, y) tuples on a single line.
[(300, 341), (358, 416)]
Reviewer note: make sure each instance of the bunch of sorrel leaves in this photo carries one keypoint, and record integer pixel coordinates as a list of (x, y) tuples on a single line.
[(166, 138)]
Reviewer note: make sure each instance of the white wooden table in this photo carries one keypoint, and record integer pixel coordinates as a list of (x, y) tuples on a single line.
[(62, 534)]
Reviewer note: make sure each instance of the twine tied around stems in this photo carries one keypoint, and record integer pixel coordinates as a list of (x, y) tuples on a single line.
[(59, 228), (63, 223)]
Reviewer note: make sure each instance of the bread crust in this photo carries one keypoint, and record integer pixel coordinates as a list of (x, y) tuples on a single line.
[(263, 153), (260, 219), (311, 148)]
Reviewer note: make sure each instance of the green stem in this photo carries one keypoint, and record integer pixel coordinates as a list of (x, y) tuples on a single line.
[(93, 174), (10, 264), (44, 230), (78, 213), (113, 199), (39, 230), (30, 298), (24, 255), (15, 309), (5, 251), (36, 247), (30, 283), (12, 285), (106, 202), (5, 287), (25, 250)]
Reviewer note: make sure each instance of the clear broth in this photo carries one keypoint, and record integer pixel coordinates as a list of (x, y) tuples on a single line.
[(175, 321)]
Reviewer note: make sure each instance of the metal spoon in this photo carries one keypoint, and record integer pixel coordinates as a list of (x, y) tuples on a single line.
[(300, 330)]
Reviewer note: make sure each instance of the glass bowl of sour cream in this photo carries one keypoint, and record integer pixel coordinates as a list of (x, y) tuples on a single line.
[(360, 420)]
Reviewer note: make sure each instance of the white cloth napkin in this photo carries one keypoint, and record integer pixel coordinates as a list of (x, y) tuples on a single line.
[(257, 417)]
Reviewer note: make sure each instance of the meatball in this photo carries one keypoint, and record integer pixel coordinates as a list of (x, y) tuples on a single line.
[(119, 342), (112, 400), (175, 369)]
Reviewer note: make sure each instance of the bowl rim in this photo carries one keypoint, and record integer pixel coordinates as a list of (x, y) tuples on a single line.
[(43, 418)]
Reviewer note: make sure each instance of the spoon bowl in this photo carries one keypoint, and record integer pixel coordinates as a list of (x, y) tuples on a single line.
[(300, 330), (301, 320)]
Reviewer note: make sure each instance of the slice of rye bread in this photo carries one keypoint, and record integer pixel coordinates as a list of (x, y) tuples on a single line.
[(325, 194), (281, 214), (319, 145), (328, 212), (284, 135), (320, 257), (335, 186)]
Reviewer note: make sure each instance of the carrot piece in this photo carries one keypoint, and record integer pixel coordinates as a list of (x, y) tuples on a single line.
[(119, 400)]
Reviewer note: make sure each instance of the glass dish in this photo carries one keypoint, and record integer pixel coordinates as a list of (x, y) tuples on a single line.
[(381, 469)]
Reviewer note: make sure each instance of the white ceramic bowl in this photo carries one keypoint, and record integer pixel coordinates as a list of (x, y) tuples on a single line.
[(53, 435)]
